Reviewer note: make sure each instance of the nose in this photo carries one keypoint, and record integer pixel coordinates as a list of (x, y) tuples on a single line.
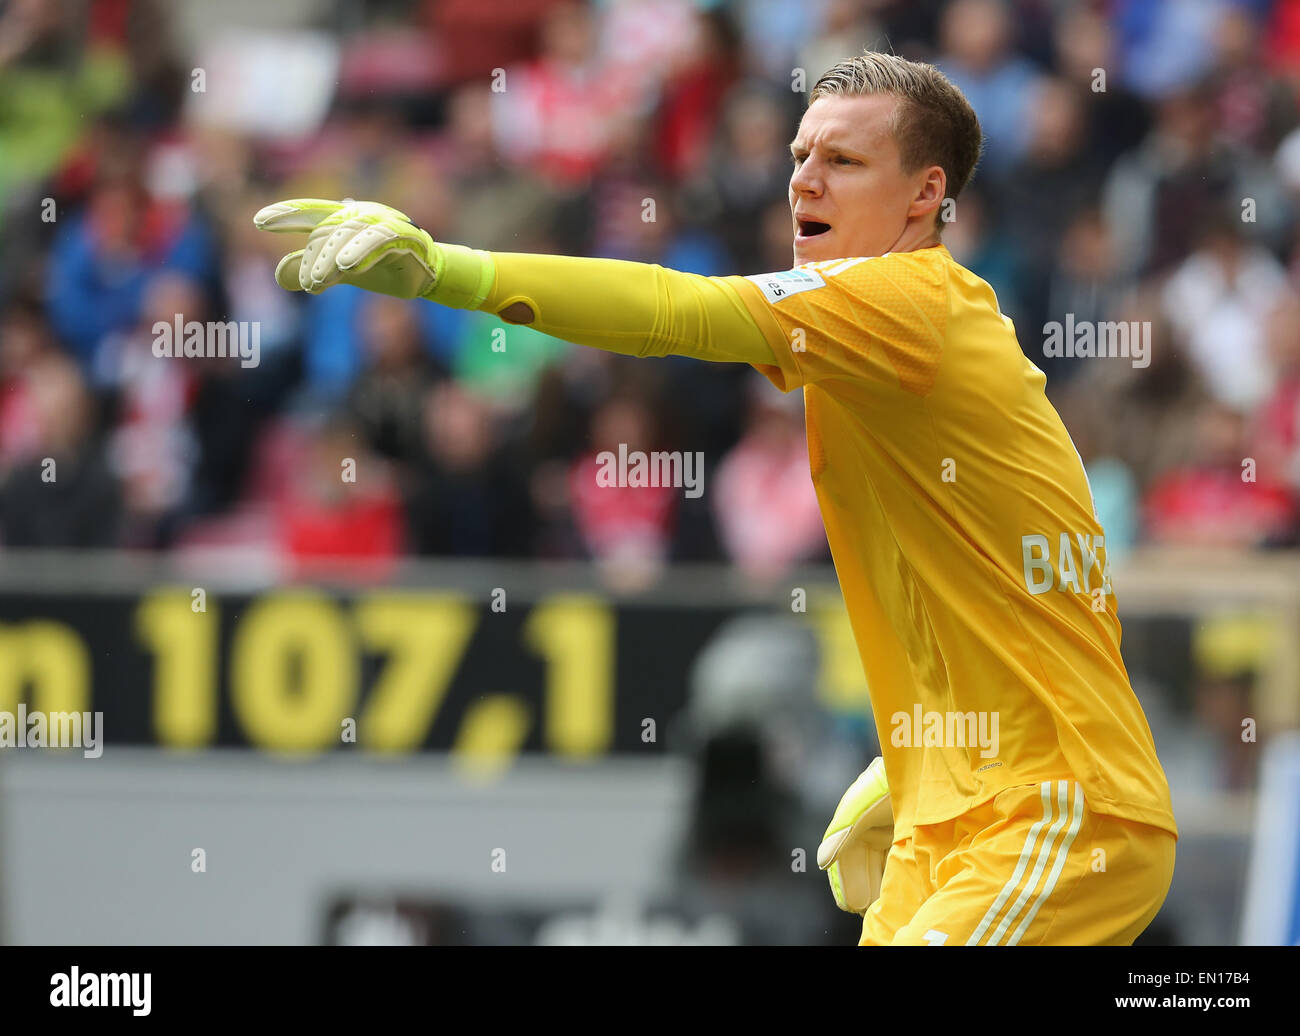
[(805, 182)]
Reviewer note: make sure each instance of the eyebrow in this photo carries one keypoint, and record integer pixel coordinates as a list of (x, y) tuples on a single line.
[(834, 146)]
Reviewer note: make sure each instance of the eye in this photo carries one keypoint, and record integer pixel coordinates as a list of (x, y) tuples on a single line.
[(845, 160)]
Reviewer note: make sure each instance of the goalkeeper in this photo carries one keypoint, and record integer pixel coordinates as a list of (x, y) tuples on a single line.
[(958, 512)]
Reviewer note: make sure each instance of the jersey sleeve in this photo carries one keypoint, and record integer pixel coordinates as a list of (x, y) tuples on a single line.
[(879, 318), (637, 309)]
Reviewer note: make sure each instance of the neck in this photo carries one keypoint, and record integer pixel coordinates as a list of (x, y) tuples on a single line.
[(916, 235)]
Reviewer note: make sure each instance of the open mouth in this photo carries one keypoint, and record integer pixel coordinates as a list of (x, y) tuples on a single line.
[(811, 228)]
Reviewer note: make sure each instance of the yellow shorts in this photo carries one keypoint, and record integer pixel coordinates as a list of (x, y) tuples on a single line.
[(1033, 866)]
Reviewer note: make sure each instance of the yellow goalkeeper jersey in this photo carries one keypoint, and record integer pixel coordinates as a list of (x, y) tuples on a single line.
[(964, 535)]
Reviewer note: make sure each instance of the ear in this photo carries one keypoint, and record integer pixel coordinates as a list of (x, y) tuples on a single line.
[(931, 186)]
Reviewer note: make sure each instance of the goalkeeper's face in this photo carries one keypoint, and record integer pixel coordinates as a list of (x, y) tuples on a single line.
[(849, 195)]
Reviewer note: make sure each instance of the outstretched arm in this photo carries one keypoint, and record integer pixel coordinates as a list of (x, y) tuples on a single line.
[(637, 309)]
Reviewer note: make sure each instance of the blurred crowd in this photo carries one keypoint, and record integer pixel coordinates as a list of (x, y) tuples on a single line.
[(1142, 164)]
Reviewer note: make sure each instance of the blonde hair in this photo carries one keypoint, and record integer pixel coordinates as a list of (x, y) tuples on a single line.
[(933, 123)]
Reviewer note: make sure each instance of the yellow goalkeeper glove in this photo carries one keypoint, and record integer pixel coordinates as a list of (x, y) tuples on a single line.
[(375, 247), (856, 844)]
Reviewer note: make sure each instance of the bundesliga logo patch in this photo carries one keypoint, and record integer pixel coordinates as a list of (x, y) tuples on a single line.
[(778, 286)]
